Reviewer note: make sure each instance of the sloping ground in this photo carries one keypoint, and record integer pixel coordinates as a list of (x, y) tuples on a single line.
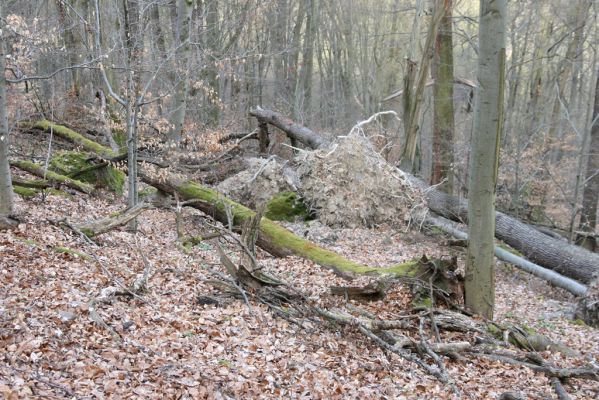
[(173, 347)]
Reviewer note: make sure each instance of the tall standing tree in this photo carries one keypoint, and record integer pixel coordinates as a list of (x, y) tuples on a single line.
[(484, 159), (414, 96), (132, 99), (590, 194), (6, 191), (443, 119), (183, 58)]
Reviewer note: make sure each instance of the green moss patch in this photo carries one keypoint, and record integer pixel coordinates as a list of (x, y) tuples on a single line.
[(120, 137), (75, 163), (24, 192), (71, 135), (286, 206)]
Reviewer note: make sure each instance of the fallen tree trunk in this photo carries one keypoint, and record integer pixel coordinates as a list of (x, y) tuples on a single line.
[(50, 176), (553, 277), (273, 238), (294, 130), (566, 259), (279, 241), (569, 260)]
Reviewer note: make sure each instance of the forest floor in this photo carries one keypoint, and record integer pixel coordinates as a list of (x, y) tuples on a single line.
[(170, 346)]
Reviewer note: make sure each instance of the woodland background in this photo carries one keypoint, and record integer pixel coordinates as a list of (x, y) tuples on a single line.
[(176, 82), (203, 65)]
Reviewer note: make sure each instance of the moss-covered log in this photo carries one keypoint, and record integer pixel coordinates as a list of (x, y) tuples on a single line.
[(273, 238), (76, 138), (279, 241), (78, 165), (25, 192), (31, 183), (51, 176)]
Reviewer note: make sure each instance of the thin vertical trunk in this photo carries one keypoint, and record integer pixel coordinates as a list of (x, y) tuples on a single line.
[(6, 192), (134, 50), (279, 47), (160, 55), (73, 45), (211, 39), (408, 158), (294, 64), (590, 195), (443, 120), (308, 56), (184, 11), (556, 131), (488, 125)]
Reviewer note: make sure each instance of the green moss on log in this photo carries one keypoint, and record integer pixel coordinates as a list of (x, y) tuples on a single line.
[(75, 163), (74, 137), (147, 193), (120, 137), (52, 176), (286, 206), (67, 250), (71, 162), (24, 192), (283, 239)]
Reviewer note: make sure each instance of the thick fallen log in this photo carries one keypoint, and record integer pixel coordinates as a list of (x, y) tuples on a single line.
[(553, 277), (566, 259), (273, 238), (51, 176), (279, 241), (294, 130)]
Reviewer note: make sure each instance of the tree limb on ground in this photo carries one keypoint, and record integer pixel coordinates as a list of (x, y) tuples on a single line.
[(273, 238), (107, 224)]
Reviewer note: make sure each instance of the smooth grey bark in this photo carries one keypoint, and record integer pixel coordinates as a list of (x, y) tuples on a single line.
[(484, 158), (134, 49), (6, 190)]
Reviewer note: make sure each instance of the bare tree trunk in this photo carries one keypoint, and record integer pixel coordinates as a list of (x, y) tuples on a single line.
[(556, 131), (6, 191), (488, 126), (408, 158), (294, 59), (443, 120), (590, 195), (134, 48), (184, 11), (308, 57), (72, 44)]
